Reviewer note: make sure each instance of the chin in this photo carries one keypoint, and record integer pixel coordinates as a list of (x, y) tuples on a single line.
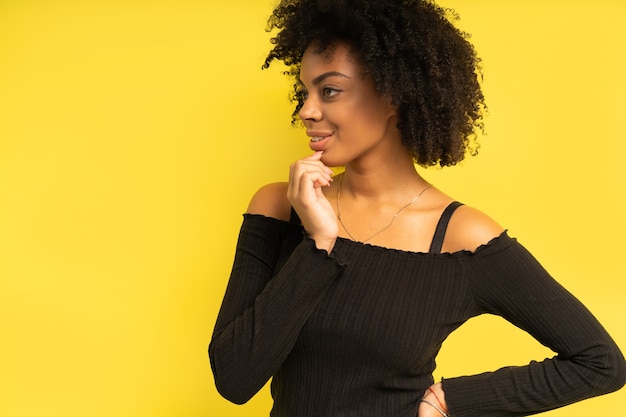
[(331, 162)]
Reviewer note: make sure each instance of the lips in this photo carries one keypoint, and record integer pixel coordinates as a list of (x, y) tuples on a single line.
[(318, 140), (318, 135)]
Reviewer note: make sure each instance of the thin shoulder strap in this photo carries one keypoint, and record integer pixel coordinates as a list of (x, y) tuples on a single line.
[(442, 226)]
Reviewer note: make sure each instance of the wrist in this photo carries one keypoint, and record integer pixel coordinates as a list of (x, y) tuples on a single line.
[(326, 244), (434, 406), (436, 394)]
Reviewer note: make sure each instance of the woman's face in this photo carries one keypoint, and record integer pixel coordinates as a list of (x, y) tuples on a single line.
[(343, 113)]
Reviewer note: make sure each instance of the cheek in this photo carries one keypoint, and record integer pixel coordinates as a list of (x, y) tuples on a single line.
[(364, 117), (375, 119), (374, 108)]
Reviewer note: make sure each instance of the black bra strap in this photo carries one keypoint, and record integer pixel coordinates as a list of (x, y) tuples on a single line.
[(442, 226)]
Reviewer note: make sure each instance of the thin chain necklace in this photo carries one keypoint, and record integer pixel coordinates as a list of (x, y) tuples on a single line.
[(384, 228)]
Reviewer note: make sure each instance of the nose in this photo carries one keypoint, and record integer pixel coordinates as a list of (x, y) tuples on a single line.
[(310, 110)]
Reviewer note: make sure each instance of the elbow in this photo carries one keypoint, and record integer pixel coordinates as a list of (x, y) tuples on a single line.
[(228, 382), (231, 391), (618, 374), (612, 375)]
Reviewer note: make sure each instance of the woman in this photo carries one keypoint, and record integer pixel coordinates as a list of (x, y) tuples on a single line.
[(344, 288)]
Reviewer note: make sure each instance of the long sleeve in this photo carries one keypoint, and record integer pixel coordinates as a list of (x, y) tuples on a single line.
[(509, 282), (263, 311)]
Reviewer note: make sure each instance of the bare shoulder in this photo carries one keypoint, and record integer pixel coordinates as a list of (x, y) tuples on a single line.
[(470, 228), (271, 201)]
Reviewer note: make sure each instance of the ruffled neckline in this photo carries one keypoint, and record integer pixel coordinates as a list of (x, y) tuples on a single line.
[(495, 244)]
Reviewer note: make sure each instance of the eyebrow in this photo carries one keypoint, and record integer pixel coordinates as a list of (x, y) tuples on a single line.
[(322, 77)]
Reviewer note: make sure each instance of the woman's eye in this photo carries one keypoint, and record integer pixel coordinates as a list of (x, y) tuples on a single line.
[(329, 92)]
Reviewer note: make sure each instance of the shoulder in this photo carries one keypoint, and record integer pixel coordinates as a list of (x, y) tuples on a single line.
[(470, 228), (271, 201)]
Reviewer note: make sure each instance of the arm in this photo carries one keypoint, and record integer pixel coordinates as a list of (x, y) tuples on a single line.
[(261, 315), (508, 281), (264, 309)]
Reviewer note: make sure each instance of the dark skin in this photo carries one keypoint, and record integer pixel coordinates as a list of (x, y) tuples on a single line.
[(352, 125)]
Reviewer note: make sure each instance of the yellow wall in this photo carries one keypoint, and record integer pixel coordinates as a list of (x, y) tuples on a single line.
[(132, 134)]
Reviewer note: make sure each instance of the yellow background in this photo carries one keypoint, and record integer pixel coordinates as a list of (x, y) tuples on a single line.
[(133, 133)]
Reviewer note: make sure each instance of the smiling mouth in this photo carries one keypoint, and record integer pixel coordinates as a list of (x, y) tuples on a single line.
[(319, 138)]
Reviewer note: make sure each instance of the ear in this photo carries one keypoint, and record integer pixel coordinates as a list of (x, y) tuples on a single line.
[(392, 108)]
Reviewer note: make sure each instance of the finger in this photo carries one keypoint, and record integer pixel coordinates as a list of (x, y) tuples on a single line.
[(300, 168), (316, 157), (309, 165), (316, 173), (302, 183), (312, 180)]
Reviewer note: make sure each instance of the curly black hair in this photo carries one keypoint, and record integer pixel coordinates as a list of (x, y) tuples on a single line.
[(414, 55)]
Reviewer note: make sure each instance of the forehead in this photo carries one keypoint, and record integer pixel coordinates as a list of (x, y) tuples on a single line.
[(336, 57)]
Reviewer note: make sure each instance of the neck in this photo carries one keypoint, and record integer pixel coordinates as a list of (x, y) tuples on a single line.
[(382, 181)]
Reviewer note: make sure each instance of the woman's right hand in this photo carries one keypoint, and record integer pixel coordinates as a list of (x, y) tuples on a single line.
[(434, 400), (307, 176)]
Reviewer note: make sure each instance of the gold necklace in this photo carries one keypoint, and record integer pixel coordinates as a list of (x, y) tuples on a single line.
[(384, 228)]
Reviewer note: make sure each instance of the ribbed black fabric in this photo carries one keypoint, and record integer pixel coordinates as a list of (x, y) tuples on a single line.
[(355, 333)]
